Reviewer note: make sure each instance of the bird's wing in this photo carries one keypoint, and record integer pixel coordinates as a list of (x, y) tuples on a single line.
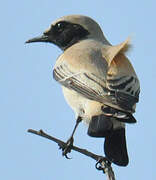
[(84, 83), (94, 82), (95, 88)]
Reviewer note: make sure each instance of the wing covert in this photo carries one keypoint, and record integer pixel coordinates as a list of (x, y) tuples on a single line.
[(95, 88)]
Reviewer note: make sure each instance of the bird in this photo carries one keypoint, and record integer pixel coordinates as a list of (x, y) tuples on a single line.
[(98, 81)]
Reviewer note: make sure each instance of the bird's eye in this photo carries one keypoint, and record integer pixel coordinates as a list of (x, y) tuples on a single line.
[(60, 26)]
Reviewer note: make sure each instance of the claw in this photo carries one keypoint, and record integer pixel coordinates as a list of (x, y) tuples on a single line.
[(67, 148), (100, 166), (66, 156)]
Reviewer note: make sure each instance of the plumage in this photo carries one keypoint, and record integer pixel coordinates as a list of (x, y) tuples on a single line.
[(83, 68), (98, 80)]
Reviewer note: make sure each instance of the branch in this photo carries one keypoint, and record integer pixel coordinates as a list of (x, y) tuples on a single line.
[(102, 163)]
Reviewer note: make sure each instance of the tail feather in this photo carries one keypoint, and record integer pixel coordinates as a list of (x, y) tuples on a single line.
[(115, 140), (115, 147), (100, 126)]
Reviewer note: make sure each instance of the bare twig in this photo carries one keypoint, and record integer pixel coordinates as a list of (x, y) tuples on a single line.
[(102, 163)]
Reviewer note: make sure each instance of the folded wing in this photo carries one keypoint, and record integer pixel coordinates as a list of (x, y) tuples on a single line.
[(93, 87)]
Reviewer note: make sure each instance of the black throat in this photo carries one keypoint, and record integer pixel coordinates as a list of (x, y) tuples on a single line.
[(65, 34)]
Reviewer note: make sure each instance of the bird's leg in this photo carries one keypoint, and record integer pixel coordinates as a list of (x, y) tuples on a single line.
[(69, 143)]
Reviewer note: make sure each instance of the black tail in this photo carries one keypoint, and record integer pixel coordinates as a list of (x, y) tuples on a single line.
[(115, 147), (115, 140), (100, 126)]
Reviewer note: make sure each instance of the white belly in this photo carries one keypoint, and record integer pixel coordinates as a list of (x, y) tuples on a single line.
[(75, 101), (82, 106), (85, 108)]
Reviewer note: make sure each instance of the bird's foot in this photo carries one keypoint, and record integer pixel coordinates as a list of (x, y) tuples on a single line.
[(67, 147), (102, 163)]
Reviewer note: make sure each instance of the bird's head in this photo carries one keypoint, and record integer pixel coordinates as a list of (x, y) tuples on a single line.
[(69, 30)]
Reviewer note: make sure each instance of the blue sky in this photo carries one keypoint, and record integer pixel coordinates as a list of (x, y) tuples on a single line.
[(30, 98)]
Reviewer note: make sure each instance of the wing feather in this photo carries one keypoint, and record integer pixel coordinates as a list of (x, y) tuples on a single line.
[(110, 92)]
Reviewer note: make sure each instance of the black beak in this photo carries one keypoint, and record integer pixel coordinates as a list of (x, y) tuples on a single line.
[(43, 38)]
